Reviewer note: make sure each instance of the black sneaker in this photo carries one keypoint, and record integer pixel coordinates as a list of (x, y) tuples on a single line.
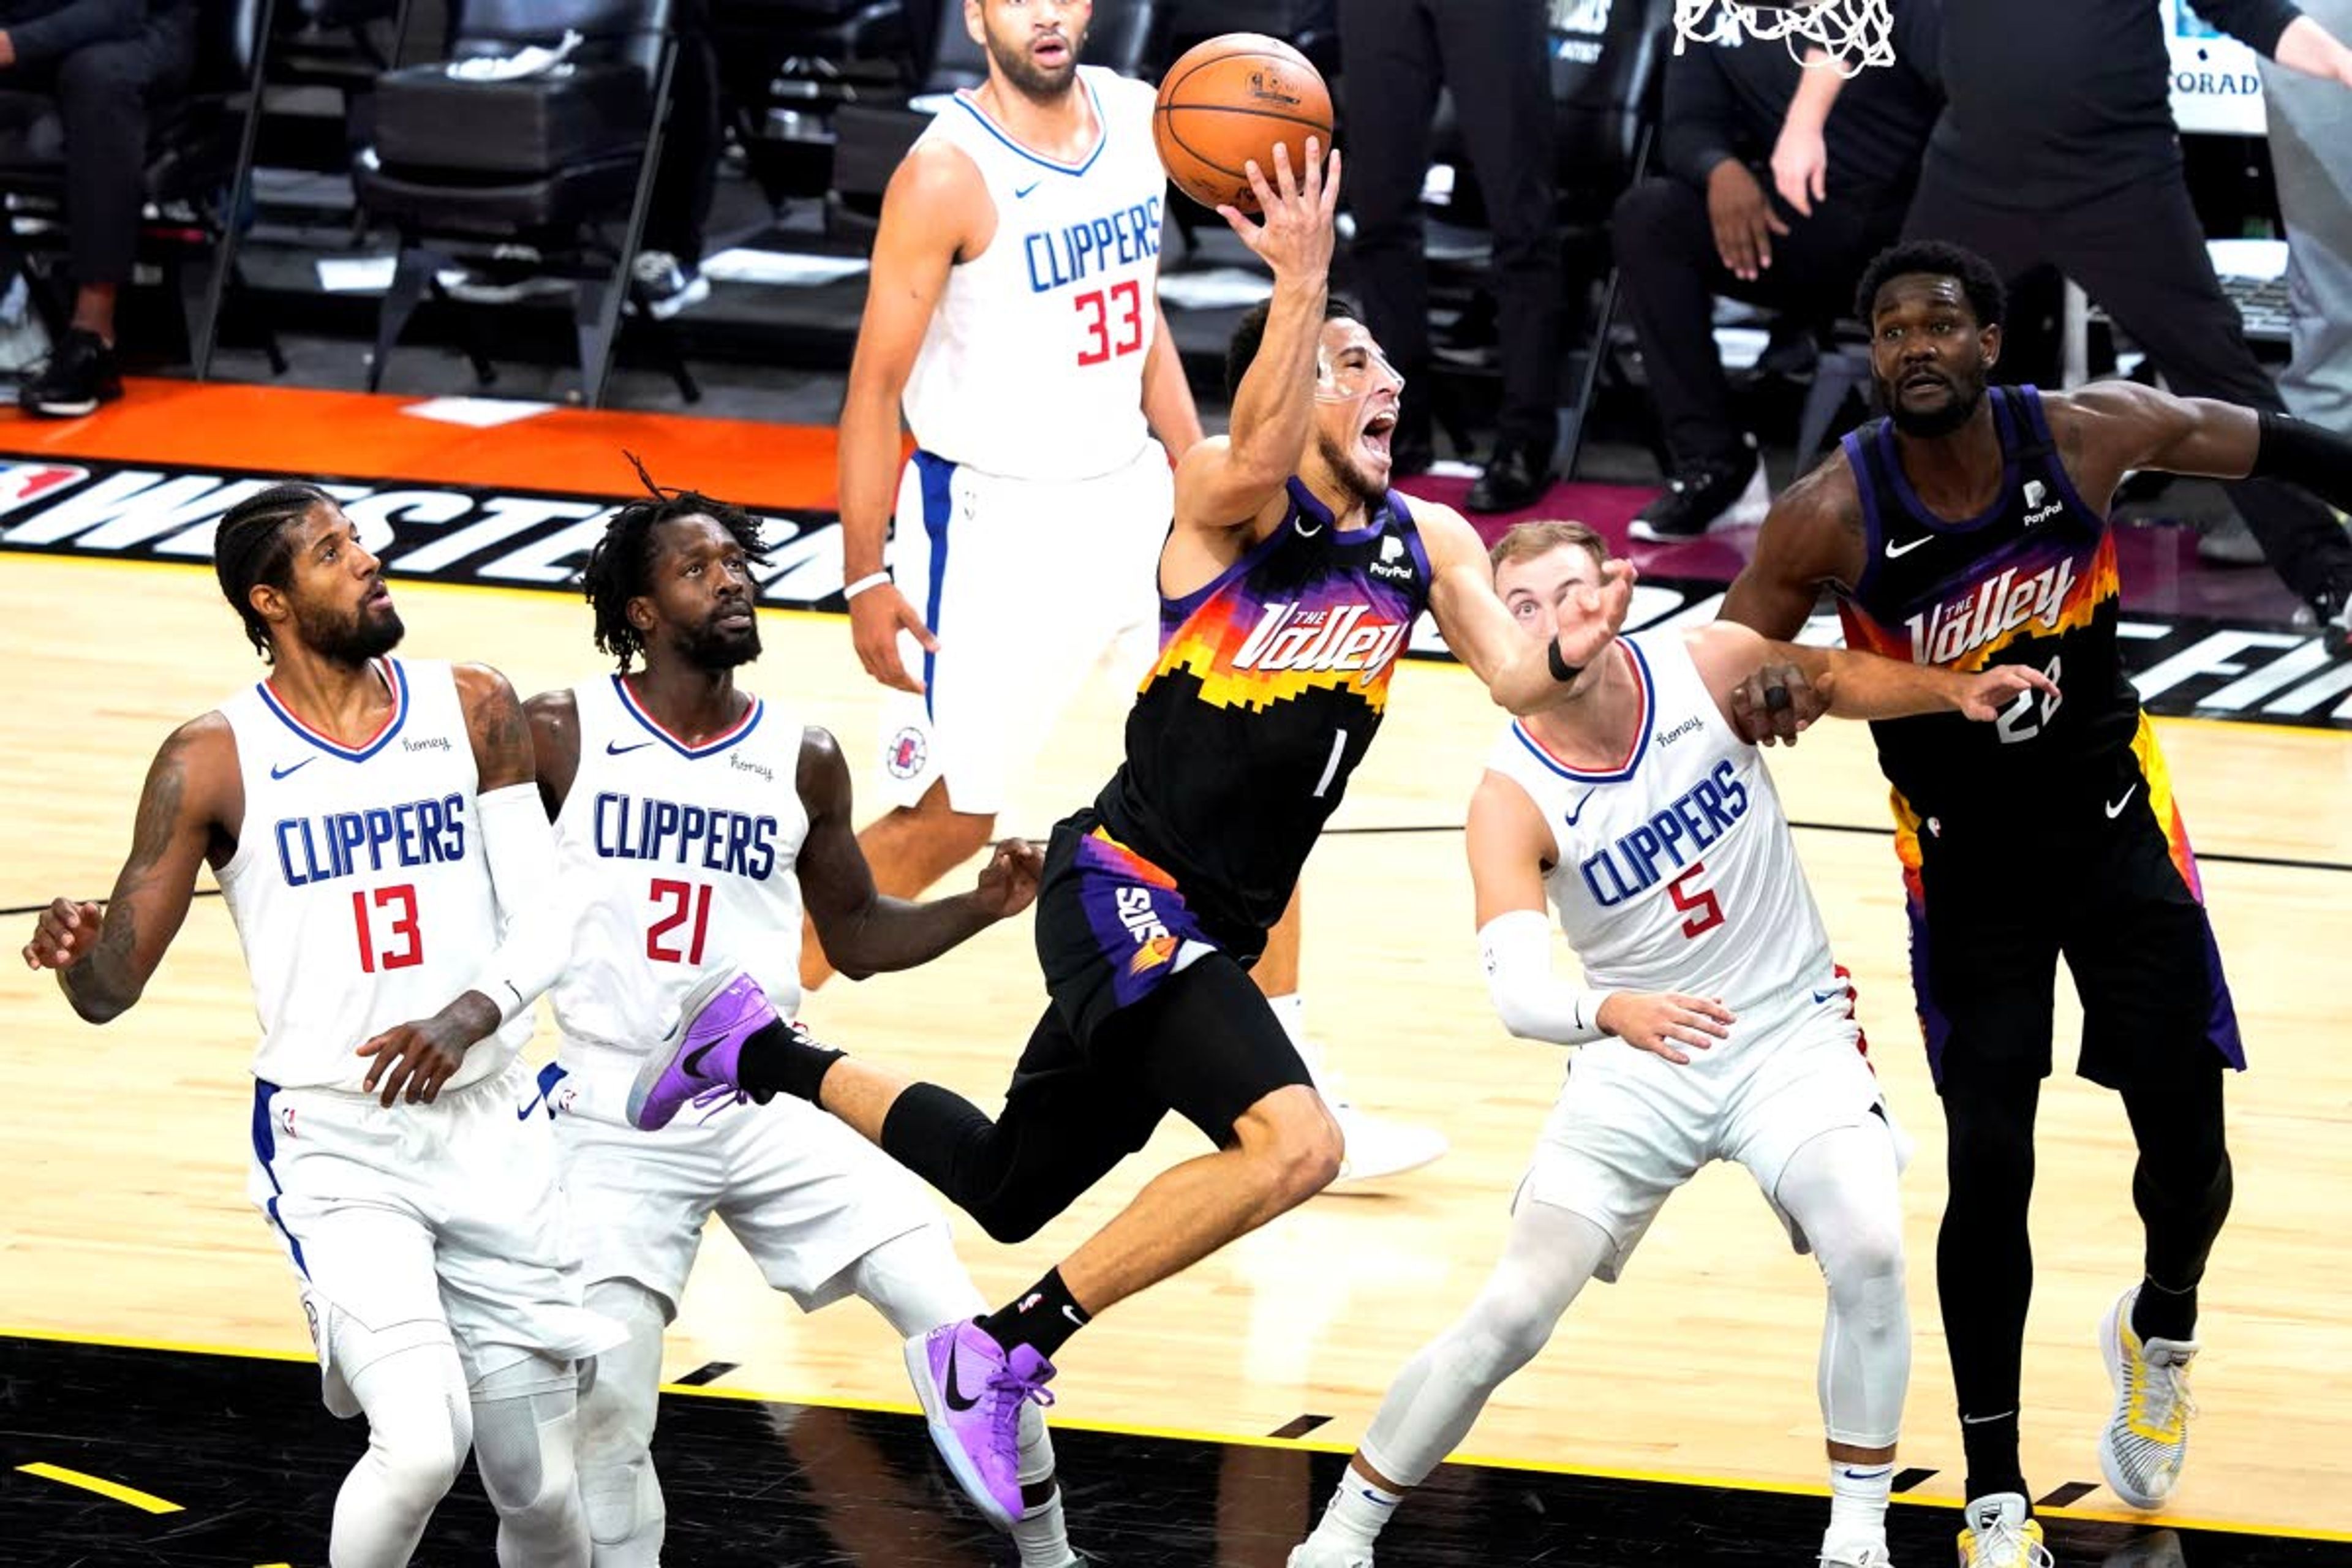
[(1693, 499), (1515, 477), (2331, 617), (82, 373), (666, 286)]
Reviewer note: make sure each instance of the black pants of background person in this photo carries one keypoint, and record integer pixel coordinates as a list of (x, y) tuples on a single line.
[(1495, 55), (2140, 254), (685, 178), (105, 96), (1669, 271)]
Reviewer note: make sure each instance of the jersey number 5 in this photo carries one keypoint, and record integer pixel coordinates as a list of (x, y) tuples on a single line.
[(683, 897), (1121, 306), (402, 926), (1698, 903)]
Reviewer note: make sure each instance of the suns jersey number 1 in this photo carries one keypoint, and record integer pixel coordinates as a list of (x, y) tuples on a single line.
[(685, 858), (359, 886)]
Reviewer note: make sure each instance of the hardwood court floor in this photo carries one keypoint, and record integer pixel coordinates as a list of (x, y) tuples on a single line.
[(124, 1214)]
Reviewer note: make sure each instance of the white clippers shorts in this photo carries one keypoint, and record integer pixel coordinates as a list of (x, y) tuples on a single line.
[(806, 1196), (405, 1220), (1027, 585), (1631, 1127)]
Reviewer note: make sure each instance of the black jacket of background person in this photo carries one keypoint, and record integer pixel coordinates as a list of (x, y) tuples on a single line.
[(1729, 103), (2052, 101), (45, 30)]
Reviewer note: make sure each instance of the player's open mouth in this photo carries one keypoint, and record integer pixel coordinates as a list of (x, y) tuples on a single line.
[(1378, 429), (377, 597), (735, 618), (1050, 51)]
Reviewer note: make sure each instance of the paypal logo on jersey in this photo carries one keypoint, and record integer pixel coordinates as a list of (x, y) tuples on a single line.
[(338, 843), (1060, 257), (1693, 820), (629, 828)]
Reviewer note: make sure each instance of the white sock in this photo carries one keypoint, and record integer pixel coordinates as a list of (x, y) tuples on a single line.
[(1858, 1501), (1043, 1540), (1357, 1511)]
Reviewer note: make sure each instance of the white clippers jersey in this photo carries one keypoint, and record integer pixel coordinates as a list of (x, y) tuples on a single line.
[(686, 860), (1676, 869), (359, 886), (1033, 366)]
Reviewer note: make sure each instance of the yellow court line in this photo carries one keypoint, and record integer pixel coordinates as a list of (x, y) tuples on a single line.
[(102, 1487), (1255, 1440)]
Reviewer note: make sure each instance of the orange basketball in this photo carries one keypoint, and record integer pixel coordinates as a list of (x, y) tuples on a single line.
[(1232, 100)]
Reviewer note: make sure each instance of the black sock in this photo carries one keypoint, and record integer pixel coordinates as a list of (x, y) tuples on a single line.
[(1991, 1444), (2163, 1314), (1041, 1319), (780, 1059)]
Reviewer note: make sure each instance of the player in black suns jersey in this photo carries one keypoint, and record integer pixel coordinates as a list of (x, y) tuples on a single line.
[(1970, 528), (1288, 584)]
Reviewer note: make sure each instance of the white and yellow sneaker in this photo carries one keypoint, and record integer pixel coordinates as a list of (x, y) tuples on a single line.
[(2146, 1439), (1861, 1554), (2000, 1535)]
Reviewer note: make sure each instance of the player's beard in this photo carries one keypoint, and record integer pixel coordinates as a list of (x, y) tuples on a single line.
[(351, 640), (1968, 391), (711, 647), (1029, 79), (1347, 468)]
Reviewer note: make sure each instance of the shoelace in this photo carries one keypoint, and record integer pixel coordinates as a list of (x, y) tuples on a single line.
[(1012, 1391), (2164, 1397), (717, 1098), (2006, 1545)]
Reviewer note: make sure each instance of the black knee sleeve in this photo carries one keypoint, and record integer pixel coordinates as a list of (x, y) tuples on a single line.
[(950, 1144)]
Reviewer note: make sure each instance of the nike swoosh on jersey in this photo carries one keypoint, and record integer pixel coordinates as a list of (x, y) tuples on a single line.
[(1822, 996), (2115, 807), (1586, 795), (1027, 189), (614, 748), (279, 772), (1895, 551)]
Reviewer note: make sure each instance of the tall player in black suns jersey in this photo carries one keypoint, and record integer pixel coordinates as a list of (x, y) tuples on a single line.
[(1289, 582), (1970, 528)]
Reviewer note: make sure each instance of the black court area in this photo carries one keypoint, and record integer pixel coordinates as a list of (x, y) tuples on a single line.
[(247, 1461)]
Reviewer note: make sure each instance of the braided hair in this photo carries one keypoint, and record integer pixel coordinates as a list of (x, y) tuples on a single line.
[(621, 566), (254, 543)]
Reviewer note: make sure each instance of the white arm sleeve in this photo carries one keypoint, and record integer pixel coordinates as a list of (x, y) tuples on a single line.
[(519, 843), (1533, 1004)]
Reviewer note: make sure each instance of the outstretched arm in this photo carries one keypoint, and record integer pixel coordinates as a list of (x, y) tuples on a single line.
[(193, 798), (1853, 685), (1222, 484), (865, 933), (2112, 427), (1521, 674)]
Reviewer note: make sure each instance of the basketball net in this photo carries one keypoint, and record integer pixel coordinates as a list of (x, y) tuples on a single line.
[(1856, 34)]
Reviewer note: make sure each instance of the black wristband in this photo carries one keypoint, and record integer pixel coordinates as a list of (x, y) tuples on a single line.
[(1561, 670), (2304, 454)]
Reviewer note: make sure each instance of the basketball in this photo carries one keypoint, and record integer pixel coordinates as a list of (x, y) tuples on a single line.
[(1229, 100)]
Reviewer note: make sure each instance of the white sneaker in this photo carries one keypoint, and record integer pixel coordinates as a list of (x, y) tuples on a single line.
[(1378, 1148), (1313, 1554), (2000, 1535), (1856, 1554), (2146, 1439)]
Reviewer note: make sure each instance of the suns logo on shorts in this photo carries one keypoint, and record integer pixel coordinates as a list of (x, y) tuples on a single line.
[(1155, 951), (904, 753)]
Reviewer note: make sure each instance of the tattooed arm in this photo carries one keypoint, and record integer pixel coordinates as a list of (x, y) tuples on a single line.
[(190, 808)]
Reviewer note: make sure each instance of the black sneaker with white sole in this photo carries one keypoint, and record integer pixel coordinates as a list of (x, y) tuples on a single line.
[(666, 286), (1695, 498), (82, 373)]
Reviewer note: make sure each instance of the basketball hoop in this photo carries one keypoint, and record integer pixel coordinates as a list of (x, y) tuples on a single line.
[(1856, 34)]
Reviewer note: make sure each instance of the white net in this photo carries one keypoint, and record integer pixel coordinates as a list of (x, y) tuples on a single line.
[(1855, 34)]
